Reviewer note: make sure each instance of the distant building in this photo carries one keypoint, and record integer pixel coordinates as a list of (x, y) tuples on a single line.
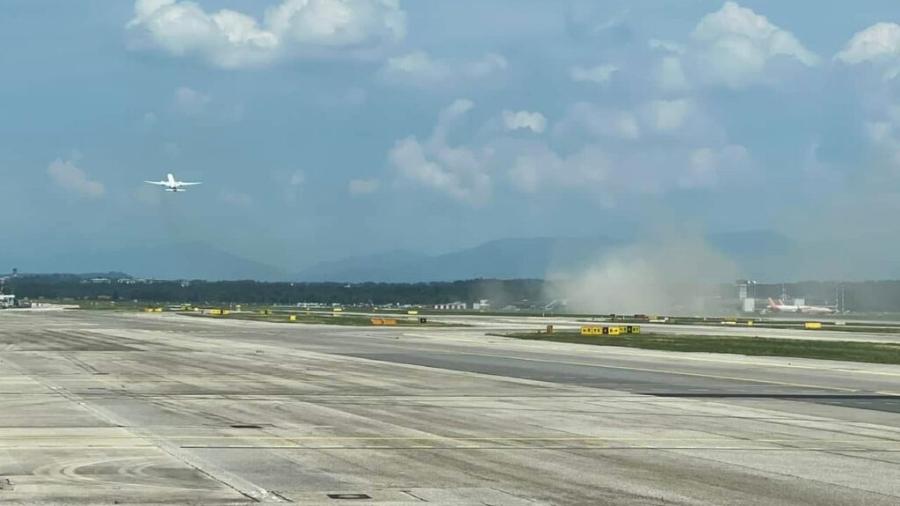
[(481, 305), (7, 300), (452, 306), (748, 305), (746, 294)]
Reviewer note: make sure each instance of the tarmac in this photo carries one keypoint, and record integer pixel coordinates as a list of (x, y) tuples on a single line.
[(123, 408)]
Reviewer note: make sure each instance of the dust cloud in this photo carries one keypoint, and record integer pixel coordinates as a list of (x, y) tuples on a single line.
[(667, 274)]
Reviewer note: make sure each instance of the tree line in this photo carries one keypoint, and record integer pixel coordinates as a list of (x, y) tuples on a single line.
[(499, 292), (859, 296)]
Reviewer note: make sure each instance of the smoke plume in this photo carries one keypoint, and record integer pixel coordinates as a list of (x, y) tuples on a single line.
[(669, 274)]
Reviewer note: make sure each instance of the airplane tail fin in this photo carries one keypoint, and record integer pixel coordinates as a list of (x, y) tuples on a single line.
[(771, 302)]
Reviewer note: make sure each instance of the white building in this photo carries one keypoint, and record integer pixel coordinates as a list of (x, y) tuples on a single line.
[(481, 305), (453, 306), (7, 300)]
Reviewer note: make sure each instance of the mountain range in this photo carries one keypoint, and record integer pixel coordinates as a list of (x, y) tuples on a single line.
[(192, 260), (752, 251)]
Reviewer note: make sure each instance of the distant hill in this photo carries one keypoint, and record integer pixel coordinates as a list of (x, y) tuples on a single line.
[(759, 254), (501, 259), (193, 260), (753, 251), (377, 267)]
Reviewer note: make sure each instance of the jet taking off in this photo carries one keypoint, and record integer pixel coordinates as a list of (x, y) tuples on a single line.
[(171, 184)]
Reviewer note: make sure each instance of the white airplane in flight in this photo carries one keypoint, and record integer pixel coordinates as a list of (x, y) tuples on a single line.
[(781, 307), (171, 184)]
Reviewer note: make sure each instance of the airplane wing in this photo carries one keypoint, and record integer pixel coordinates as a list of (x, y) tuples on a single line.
[(188, 184), (160, 183)]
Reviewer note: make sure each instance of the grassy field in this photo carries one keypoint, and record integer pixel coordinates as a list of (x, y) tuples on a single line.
[(103, 305), (254, 313), (320, 318), (832, 325), (878, 353)]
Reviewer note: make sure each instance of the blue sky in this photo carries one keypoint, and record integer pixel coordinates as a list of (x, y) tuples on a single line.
[(326, 128)]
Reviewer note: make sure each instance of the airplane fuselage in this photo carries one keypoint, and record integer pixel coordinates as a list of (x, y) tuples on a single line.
[(802, 309), (779, 307), (170, 184)]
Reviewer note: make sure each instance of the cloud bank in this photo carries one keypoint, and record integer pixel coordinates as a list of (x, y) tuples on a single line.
[(67, 176), (231, 39)]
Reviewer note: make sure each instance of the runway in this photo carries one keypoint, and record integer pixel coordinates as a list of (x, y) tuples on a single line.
[(104, 408)]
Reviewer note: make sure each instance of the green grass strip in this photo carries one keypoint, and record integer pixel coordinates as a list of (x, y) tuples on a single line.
[(851, 351)]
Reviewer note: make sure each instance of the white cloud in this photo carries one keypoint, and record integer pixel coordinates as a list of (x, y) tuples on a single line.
[(542, 168), (363, 186), (734, 45), (586, 20), (670, 75), (706, 165), (456, 172), (655, 146), (297, 178), (671, 145), (338, 23), (292, 183), (231, 39), (877, 43), (418, 68), (149, 120), (884, 138), (609, 173), (876, 50), (601, 74), (668, 115), (666, 45), (67, 176), (190, 102), (680, 118), (599, 121), (515, 120), (879, 131), (460, 172)]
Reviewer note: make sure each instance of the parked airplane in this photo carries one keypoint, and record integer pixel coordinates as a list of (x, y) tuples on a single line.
[(171, 184), (781, 307)]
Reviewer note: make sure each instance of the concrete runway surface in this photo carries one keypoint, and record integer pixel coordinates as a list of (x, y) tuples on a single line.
[(105, 408)]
